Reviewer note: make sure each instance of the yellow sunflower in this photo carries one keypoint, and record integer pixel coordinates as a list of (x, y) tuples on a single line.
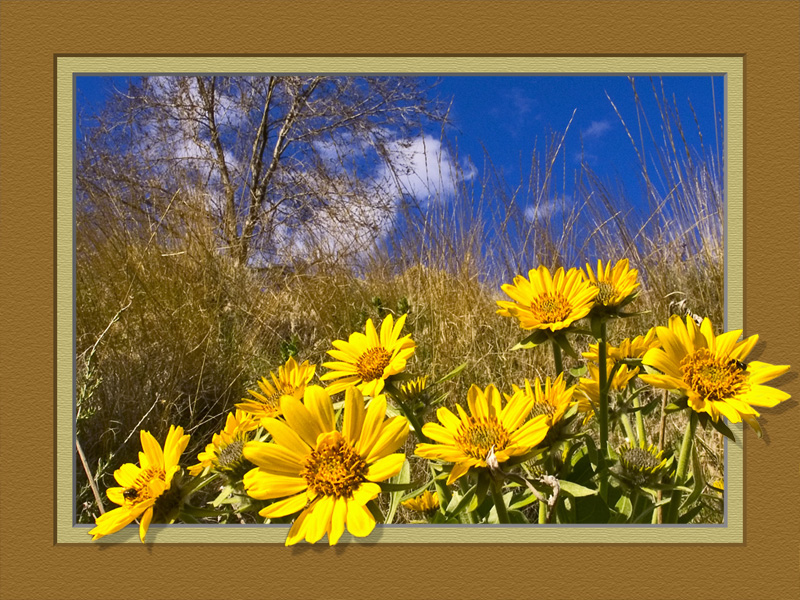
[(142, 485), (548, 302), (466, 440), (224, 453), (552, 401), (709, 370), (367, 360), (589, 388), (426, 503), (614, 285), (635, 348), (328, 475), (291, 380)]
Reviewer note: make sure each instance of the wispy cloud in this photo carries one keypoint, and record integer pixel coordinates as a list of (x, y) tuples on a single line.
[(547, 208), (596, 129)]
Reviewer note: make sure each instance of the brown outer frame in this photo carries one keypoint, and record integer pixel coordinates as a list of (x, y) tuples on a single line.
[(32, 566)]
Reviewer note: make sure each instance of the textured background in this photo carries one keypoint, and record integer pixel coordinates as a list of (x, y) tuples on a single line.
[(32, 566)]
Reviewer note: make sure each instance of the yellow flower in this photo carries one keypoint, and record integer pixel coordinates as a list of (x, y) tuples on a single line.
[(224, 453), (142, 485), (615, 284), (426, 502), (635, 348), (367, 360), (709, 370), (290, 381), (466, 440), (328, 475), (547, 302), (589, 388), (551, 401)]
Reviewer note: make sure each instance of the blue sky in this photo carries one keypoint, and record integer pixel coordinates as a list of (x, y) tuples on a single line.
[(507, 117)]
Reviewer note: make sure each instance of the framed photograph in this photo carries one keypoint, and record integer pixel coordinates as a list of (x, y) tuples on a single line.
[(373, 209)]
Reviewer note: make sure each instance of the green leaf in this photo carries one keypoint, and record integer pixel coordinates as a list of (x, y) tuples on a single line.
[(402, 478), (516, 516), (395, 487), (375, 510), (725, 430), (452, 373), (576, 491), (458, 503), (691, 514), (591, 449), (624, 506), (440, 483), (524, 501), (223, 495), (697, 476), (579, 371), (564, 344), (536, 338)]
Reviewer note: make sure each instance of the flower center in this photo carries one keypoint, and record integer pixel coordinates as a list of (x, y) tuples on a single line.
[(334, 468), (371, 364), (478, 436), (231, 455), (542, 408), (711, 378), (551, 307), (606, 294), (140, 490)]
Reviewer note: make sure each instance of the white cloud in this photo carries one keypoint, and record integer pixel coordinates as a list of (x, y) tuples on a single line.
[(423, 169), (597, 128), (546, 209)]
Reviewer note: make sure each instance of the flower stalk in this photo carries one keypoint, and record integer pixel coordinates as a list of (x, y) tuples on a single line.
[(683, 462), (496, 486)]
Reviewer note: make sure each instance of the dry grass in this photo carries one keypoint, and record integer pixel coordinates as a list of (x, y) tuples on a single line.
[(189, 332)]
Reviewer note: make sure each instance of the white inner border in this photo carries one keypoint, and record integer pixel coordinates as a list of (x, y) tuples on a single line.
[(732, 68)]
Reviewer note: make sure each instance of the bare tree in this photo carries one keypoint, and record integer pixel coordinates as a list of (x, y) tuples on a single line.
[(272, 165)]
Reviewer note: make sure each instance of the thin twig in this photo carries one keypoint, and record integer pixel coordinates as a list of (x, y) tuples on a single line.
[(92, 484)]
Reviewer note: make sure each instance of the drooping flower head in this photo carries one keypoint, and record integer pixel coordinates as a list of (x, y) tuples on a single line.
[(327, 474), (291, 380), (141, 486), (710, 371), (426, 503), (635, 348), (466, 440), (551, 399), (587, 394), (548, 302), (614, 285), (367, 360), (225, 452), (641, 466)]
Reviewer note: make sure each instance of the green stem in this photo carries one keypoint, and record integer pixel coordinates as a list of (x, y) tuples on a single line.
[(603, 386), (463, 482), (640, 423), (636, 503), (603, 416), (497, 497), (557, 357), (409, 414), (542, 512), (626, 423), (683, 463)]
